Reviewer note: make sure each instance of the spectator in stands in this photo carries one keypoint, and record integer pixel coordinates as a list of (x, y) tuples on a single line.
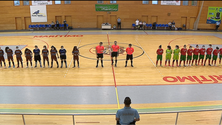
[(64, 22), (57, 24), (118, 23), (217, 25), (144, 25), (52, 25), (170, 25), (173, 24), (137, 23), (127, 115), (141, 24)]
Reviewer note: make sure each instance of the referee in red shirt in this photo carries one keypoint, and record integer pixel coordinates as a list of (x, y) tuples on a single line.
[(99, 53), (129, 55), (115, 52)]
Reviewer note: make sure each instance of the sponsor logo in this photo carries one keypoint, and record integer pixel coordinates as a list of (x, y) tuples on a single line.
[(37, 14), (199, 79), (52, 36)]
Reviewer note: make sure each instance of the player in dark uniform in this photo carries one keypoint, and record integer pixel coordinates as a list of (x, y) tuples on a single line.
[(75, 53), (18, 54), (10, 56), (2, 59), (37, 57), (45, 54), (28, 55), (62, 53), (53, 52)]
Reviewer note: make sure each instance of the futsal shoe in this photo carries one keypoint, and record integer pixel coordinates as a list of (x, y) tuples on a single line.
[(115, 65), (215, 65), (96, 66), (9, 66), (57, 66), (18, 67), (78, 67), (27, 67), (41, 66), (13, 66), (22, 66), (102, 65), (131, 65), (35, 66), (5, 67), (184, 65), (48, 66), (179, 65), (125, 65), (61, 67), (187, 64), (31, 67), (165, 65), (209, 64), (172, 65), (169, 65)]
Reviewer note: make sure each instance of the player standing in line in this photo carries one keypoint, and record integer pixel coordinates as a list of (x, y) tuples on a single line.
[(209, 53), (53, 52), (2, 59), (215, 56), (28, 56), (129, 55), (202, 53), (62, 53), (75, 53), (159, 53), (189, 55), (45, 53), (195, 55), (115, 52), (220, 51), (168, 55), (183, 52), (18, 54), (10, 56), (37, 57), (176, 55), (99, 53)]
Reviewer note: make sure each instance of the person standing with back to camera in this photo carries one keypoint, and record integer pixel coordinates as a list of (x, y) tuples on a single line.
[(127, 115), (75, 53)]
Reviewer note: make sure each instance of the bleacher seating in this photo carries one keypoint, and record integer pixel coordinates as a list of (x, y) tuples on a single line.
[(44, 26)]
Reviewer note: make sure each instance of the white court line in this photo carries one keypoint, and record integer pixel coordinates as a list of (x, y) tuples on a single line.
[(148, 56), (71, 61)]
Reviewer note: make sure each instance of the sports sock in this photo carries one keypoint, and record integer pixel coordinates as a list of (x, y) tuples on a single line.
[(18, 63), (131, 62), (21, 63), (44, 63), (27, 63), (48, 63), (160, 62), (78, 62), (157, 62), (165, 62), (1, 63), (74, 62), (61, 63), (173, 62), (9, 63), (97, 62), (52, 64), (57, 63), (112, 61), (40, 63), (116, 61), (31, 63), (180, 62), (126, 62), (177, 62), (101, 62), (13, 63), (35, 63), (66, 63), (4, 64)]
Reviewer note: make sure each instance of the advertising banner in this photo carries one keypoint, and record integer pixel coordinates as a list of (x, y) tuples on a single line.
[(38, 13), (175, 2), (214, 15)]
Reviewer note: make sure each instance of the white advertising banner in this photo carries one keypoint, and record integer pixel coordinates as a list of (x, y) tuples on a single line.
[(175, 2), (40, 2), (38, 13)]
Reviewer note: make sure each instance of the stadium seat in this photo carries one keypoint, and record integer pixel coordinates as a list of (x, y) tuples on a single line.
[(30, 26), (61, 25), (133, 26), (37, 26), (156, 26), (166, 26)]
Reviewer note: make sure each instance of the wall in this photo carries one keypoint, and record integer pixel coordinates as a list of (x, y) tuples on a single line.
[(84, 15)]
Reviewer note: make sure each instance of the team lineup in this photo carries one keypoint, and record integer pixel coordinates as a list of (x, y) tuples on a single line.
[(187, 55), (54, 56)]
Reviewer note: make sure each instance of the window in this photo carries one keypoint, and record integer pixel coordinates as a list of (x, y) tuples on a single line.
[(194, 3), (26, 2), (185, 2), (57, 1), (112, 1), (67, 1), (99, 1), (145, 2), (16, 2), (154, 2)]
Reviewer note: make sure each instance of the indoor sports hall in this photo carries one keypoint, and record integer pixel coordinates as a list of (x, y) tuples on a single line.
[(90, 95)]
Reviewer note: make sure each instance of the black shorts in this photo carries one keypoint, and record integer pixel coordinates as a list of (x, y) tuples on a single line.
[(129, 57), (99, 55), (114, 54), (62, 56), (37, 58)]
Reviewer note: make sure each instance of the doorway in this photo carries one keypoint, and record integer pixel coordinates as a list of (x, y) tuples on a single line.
[(192, 20), (27, 22), (59, 18), (154, 19), (99, 21), (183, 21), (18, 23), (145, 18), (113, 20), (68, 20)]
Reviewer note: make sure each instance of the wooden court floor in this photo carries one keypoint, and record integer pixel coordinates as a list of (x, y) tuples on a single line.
[(144, 73)]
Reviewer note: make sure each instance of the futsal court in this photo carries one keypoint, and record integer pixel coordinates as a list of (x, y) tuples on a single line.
[(102, 90)]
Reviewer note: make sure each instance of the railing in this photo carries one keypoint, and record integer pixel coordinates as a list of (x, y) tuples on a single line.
[(176, 120)]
